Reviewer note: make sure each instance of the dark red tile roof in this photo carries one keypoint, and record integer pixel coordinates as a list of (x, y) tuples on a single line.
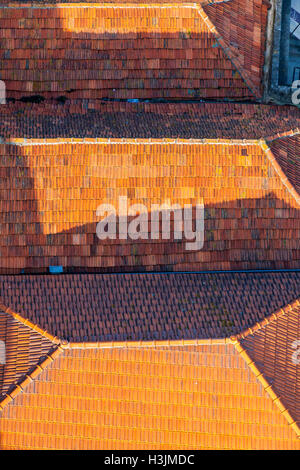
[(242, 25), (287, 153), (25, 348), (146, 120), (273, 348), (148, 306)]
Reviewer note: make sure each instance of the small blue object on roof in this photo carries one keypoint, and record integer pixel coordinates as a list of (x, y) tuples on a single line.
[(56, 269)]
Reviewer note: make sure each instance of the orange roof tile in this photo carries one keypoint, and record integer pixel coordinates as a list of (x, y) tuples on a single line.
[(161, 372), (51, 190), (192, 397), (221, 393), (173, 51)]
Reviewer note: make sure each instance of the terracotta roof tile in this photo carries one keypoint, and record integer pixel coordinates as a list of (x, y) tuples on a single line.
[(172, 52), (201, 397), (134, 307), (145, 120), (24, 350), (177, 381), (242, 24), (287, 153), (272, 348), (50, 192)]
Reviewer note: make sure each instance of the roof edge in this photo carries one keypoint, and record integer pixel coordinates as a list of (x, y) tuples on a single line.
[(112, 4), (99, 140), (228, 52), (284, 179), (268, 388), (28, 378), (32, 326), (283, 135), (144, 344), (271, 318)]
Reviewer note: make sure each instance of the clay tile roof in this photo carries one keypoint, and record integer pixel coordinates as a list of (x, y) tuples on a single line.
[(88, 119), (219, 393), (242, 26), (176, 397), (24, 349), (144, 307), (286, 150), (51, 189), (273, 346), (174, 51)]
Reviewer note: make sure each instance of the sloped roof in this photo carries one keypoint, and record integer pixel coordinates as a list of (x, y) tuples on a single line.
[(24, 349), (286, 149), (201, 396), (242, 26), (92, 119), (184, 392), (221, 393), (144, 307), (51, 190), (272, 347), (173, 51)]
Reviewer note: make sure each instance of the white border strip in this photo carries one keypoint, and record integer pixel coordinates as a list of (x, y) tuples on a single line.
[(32, 143), (37, 5)]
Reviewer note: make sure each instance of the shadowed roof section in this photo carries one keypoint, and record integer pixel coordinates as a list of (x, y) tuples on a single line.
[(100, 51), (50, 192), (242, 25), (192, 397), (24, 348), (286, 150), (273, 348), (133, 307), (91, 118)]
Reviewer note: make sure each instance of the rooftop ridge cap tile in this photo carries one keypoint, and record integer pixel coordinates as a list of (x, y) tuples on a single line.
[(28, 378), (284, 179), (144, 344), (268, 388), (97, 140), (231, 56), (146, 4), (283, 135), (29, 324), (269, 319)]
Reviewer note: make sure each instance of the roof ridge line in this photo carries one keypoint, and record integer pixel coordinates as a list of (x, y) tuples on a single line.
[(23, 141), (143, 344), (54, 339), (284, 179), (268, 388), (283, 135), (124, 4), (228, 52), (269, 319), (28, 378)]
